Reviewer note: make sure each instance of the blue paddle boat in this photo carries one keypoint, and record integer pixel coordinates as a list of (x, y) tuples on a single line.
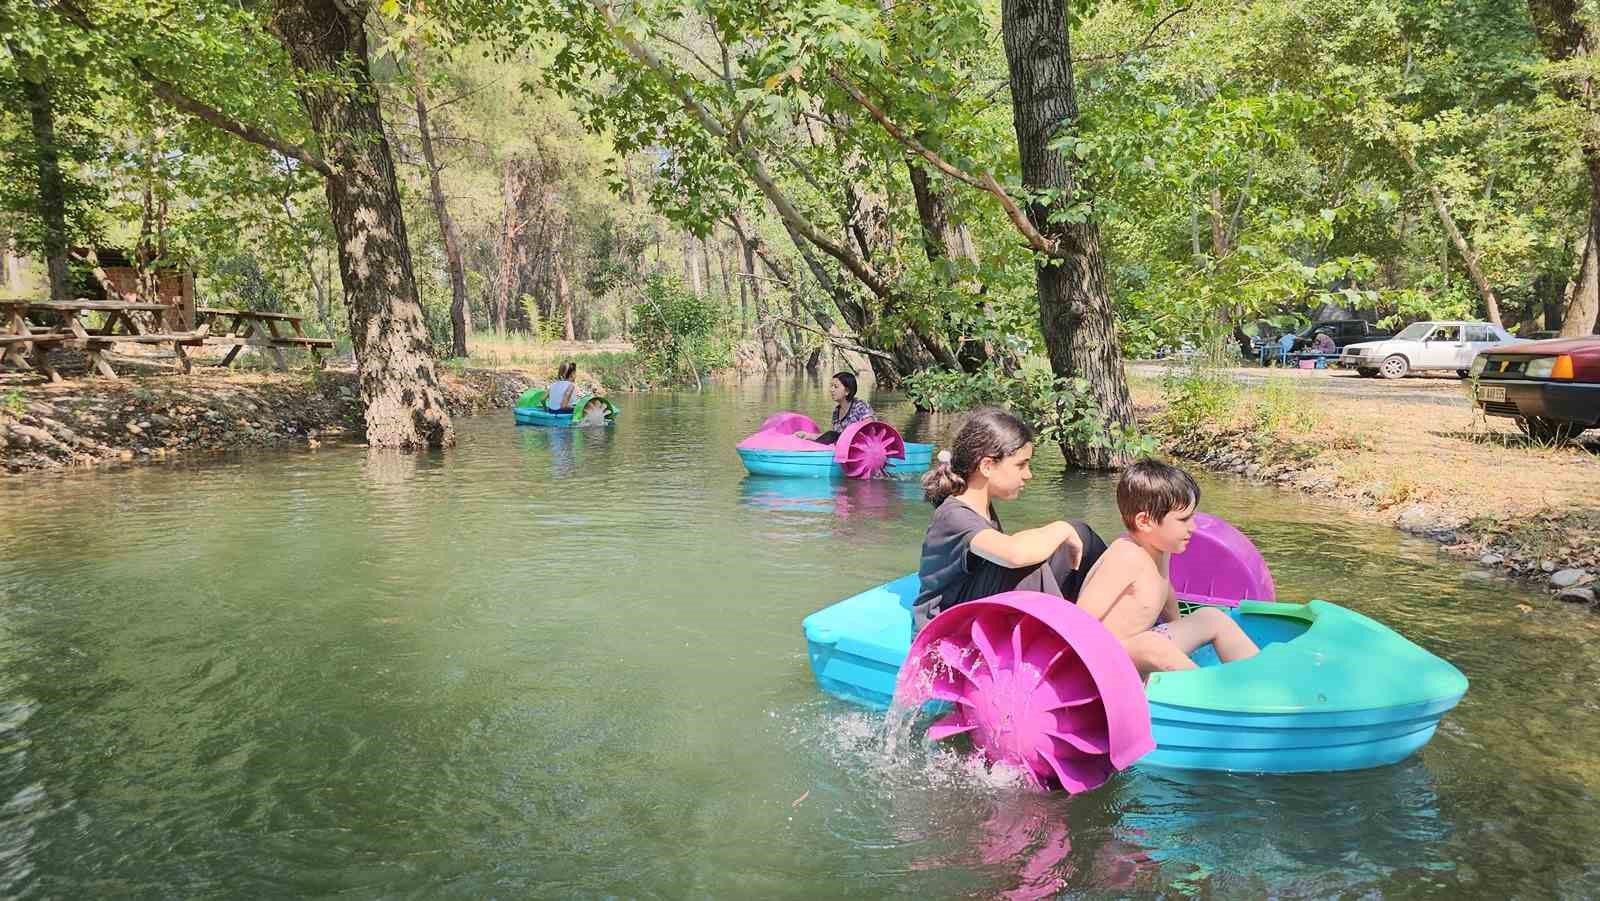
[(1032, 680), (530, 410)]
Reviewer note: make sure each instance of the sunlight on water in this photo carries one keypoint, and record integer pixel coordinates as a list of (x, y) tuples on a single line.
[(569, 663)]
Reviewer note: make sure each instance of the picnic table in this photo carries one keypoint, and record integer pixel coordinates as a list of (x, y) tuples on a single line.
[(25, 342), (259, 329)]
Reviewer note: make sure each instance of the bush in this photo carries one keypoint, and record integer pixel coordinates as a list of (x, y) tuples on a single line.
[(1059, 410), (1198, 397), (679, 334)]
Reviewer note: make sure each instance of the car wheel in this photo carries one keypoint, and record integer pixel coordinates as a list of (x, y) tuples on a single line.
[(1462, 373), (1366, 372), (1394, 366), (1549, 431)]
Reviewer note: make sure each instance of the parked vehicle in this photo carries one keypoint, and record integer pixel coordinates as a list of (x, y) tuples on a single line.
[(1343, 331), (1424, 346), (1539, 336), (1551, 388)]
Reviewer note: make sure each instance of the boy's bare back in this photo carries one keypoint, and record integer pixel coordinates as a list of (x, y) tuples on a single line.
[(1126, 590)]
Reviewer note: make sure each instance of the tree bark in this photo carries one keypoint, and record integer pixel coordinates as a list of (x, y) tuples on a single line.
[(691, 265), (946, 240), (1491, 301), (1566, 37), (511, 247), (1075, 316), (460, 317), (399, 386), (52, 186)]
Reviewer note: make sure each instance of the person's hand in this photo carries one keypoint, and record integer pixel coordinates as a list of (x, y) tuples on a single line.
[(1071, 539), (804, 435)]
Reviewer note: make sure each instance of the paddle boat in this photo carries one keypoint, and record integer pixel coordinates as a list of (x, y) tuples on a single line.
[(530, 410), (864, 450), (1036, 683)]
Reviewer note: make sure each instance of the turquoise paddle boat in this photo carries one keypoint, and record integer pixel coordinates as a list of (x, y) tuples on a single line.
[(863, 450), (530, 410), (1035, 682)]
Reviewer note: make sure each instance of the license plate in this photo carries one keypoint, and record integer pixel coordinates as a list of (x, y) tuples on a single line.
[(1491, 393)]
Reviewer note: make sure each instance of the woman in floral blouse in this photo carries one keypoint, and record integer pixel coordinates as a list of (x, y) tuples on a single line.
[(847, 409)]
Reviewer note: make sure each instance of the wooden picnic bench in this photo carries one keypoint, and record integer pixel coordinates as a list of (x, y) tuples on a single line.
[(27, 342), (260, 329)]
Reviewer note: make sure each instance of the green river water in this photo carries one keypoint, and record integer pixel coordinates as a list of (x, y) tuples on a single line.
[(569, 664)]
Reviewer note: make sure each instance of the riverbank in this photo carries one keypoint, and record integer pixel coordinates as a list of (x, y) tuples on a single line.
[(157, 415), (1473, 483)]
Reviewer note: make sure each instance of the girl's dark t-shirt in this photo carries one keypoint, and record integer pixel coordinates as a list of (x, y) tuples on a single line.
[(951, 574), (947, 555)]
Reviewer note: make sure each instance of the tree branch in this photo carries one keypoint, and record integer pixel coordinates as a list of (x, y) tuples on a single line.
[(175, 97), (985, 181), (741, 150), (835, 340)]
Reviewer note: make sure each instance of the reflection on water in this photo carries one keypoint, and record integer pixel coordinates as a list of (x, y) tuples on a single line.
[(568, 662)]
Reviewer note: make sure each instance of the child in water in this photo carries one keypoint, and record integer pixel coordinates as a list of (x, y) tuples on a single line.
[(1131, 587), (594, 412), (966, 554)]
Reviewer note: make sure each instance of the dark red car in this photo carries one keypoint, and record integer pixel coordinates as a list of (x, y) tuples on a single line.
[(1551, 388)]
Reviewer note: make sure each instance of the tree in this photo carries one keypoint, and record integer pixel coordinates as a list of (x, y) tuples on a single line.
[(326, 46)]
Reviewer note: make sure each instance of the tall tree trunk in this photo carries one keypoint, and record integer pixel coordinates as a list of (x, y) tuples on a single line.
[(691, 265), (563, 290), (394, 365), (946, 240), (511, 247), (766, 329), (1491, 301), (1075, 314), (1566, 37), (1578, 311), (460, 317), (47, 163)]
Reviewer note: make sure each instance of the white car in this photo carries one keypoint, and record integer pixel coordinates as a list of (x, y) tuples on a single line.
[(1423, 346)]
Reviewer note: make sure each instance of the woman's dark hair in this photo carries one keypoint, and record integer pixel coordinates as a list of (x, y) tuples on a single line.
[(848, 380), (567, 370), (987, 432)]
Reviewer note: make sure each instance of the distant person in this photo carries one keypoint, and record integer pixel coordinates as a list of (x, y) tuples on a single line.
[(1324, 344), (558, 397), (595, 412), (966, 554), (1130, 589), (847, 409)]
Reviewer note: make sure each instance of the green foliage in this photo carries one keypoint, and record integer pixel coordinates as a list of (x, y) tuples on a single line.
[(12, 402), (1057, 409), (1197, 397), (679, 334)]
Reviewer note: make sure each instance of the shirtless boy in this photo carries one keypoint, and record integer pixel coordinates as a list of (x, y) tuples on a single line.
[(1129, 588)]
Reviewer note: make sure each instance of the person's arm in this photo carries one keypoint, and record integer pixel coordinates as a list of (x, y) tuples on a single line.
[(1027, 547), (1169, 606), (567, 400)]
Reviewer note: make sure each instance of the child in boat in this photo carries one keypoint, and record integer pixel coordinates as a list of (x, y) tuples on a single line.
[(1129, 589), (594, 412), (847, 410), (558, 397), (966, 554)]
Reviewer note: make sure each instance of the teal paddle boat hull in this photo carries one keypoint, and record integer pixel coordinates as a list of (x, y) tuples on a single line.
[(1331, 689), (530, 410), (821, 463)]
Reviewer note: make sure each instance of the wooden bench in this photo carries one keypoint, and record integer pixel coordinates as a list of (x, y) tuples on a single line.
[(259, 329)]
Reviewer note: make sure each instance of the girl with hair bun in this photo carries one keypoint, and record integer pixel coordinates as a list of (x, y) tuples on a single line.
[(966, 554)]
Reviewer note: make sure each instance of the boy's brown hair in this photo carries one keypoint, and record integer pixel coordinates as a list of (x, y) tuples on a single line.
[(1150, 486)]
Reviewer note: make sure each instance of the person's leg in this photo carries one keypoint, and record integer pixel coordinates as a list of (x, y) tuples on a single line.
[(1209, 625), (1153, 652), (828, 437), (1069, 578)]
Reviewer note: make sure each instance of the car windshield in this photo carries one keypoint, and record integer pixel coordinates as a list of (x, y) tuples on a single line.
[(1416, 331)]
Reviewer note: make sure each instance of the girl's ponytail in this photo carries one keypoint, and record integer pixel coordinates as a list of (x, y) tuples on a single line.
[(942, 481), (987, 433)]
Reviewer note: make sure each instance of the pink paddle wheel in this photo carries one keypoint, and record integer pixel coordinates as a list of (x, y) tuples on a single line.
[(1036, 683), (864, 449)]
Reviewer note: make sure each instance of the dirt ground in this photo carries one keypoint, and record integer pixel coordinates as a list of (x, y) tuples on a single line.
[(1431, 465)]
